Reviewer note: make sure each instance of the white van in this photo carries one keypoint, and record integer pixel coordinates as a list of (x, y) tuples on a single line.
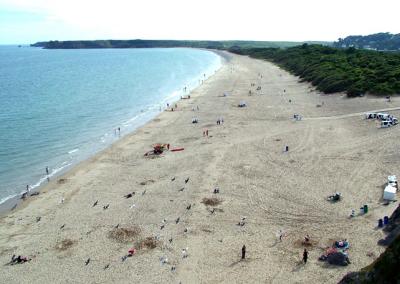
[(382, 116), (386, 123)]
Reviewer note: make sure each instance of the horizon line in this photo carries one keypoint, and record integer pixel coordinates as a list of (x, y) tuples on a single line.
[(225, 40)]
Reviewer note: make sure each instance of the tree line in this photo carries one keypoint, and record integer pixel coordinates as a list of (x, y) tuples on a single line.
[(140, 43), (353, 71), (379, 41)]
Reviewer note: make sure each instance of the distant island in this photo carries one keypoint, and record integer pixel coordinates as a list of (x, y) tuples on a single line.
[(379, 41), (139, 43)]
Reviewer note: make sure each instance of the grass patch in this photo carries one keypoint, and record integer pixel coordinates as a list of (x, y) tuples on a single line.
[(124, 235), (211, 201), (62, 180), (64, 245), (147, 243)]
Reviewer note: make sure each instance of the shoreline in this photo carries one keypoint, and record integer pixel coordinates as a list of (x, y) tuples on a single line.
[(14, 202), (273, 190)]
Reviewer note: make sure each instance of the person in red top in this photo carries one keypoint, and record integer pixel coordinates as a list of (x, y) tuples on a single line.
[(131, 251)]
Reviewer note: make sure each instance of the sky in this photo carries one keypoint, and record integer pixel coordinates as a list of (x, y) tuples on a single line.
[(29, 21)]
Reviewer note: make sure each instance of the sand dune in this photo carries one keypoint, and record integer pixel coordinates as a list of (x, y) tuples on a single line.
[(244, 157)]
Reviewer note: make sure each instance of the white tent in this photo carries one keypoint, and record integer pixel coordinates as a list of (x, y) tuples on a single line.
[(389, 193)]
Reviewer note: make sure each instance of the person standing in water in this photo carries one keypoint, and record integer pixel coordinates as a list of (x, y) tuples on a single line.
[(47, 173)]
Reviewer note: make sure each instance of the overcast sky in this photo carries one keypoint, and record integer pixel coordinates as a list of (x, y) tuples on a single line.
[(28, 21)]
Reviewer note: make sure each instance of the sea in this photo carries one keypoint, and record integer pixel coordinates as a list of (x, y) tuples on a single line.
[(59, 107)]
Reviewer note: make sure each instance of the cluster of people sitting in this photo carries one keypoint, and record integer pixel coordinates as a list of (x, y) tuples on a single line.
[(242, 104), (18, 259), (337, 254), (242, 222), (297, 117), (335, 197)]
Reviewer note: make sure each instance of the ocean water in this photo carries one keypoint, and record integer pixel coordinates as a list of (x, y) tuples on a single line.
[(59, 107)]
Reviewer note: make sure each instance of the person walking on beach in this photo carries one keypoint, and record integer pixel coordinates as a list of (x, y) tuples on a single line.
[(243, 252), (281, 235), (305, 256)]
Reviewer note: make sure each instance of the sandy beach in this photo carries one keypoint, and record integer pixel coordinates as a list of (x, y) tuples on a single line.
[(332, 149)]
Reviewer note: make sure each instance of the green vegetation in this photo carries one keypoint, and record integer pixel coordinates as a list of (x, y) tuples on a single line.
[(380, 41), (331, 70), (138, 43)]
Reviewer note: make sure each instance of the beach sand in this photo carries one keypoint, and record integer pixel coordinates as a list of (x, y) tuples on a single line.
[(332, 149)]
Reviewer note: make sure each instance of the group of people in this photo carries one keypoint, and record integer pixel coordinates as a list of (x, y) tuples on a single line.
[(28, 189), (305, 254), (18, 259), (132, 251), (172, 107), (305, 242), (117, 131)]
